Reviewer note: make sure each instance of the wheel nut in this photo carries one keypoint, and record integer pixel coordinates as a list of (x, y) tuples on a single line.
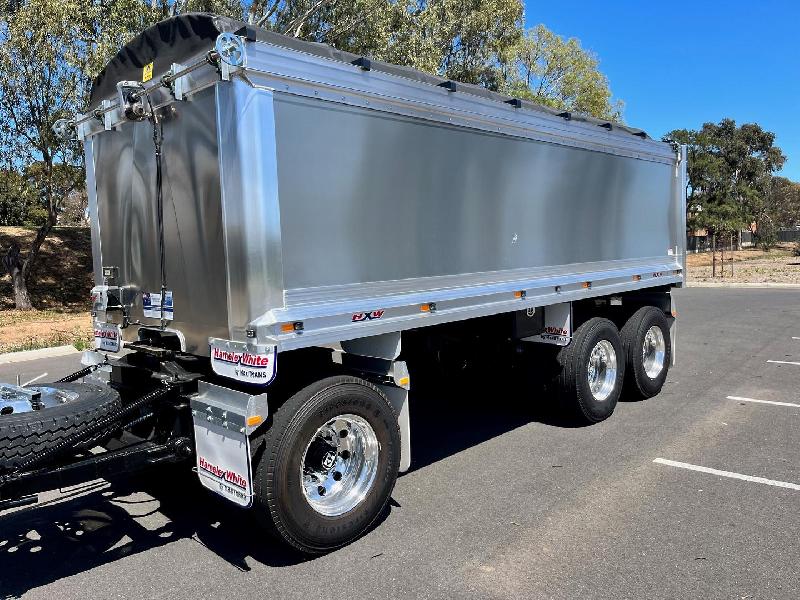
[(343, 433), (321, 490), (337, 476), (345, 454)]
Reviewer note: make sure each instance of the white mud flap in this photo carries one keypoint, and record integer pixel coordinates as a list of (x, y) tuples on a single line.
[(399, 398), (673, 329), (557, 325), (223, 421)]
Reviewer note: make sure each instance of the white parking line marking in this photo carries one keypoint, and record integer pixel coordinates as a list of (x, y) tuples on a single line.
[(784, 362), (750, 478), (795, 338), (762, 401)]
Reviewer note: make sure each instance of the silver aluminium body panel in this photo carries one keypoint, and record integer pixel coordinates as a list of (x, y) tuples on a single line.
[(353, 203), (124, 171)]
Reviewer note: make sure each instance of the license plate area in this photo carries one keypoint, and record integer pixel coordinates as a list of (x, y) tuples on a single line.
[(107, 337)]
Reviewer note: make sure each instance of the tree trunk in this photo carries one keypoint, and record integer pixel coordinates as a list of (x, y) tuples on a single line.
[(713, 255), (13, 265), (20, 269), (21, 297)]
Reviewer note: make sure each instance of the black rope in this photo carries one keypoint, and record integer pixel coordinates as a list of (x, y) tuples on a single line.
[(158, 139)]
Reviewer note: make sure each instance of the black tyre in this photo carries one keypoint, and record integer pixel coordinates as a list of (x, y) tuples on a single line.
[(328, 464), (591, 370), (648, 352), (66, 410)]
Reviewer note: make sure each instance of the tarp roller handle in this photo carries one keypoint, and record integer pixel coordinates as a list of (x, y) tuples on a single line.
[(228, 47)]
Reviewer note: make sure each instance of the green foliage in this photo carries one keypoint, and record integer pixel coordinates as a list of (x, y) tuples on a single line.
[(731, 170), (464, 41), (785, 201), (550, 70), (474, 41), (14, 198)]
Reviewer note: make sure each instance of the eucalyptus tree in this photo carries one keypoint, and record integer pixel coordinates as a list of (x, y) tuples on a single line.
[(731, 172), (546, 68)]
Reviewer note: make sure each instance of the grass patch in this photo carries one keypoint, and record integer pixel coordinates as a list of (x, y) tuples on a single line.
[(18, 317), (78, 337), (30, 330), (704, 259)]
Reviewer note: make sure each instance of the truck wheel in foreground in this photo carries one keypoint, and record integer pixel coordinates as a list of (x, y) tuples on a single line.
[(591, 370), (31, 425), (328, 464), (645, 338)]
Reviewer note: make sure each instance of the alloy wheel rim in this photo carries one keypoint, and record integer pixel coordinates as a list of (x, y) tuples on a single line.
[(15, 401), (602, 371), (339, 465), (653, 352)]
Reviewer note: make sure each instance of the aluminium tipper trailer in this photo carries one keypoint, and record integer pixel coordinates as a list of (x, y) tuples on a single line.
[(280, 230)]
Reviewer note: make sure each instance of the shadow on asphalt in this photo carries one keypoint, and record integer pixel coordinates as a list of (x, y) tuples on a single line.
[(48, 542), (448, 419), (100, 525)]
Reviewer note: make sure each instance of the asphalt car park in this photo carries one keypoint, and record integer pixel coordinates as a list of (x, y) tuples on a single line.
[(693, 493)]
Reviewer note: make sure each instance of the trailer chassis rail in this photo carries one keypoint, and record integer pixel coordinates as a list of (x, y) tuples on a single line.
[(135, 455)]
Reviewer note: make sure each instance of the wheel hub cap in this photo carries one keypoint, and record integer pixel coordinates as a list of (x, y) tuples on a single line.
[(339, 465), (602, 372), (653, 352), (15, 400)]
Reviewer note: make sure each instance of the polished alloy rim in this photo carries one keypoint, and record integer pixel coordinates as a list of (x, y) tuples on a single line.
[(653, 352), (602, 373), (339, 465), (14, 400)]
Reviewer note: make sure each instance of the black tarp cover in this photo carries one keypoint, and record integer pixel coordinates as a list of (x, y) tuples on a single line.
[(179, 38)]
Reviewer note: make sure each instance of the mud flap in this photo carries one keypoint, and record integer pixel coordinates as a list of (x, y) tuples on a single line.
[(557, 325), (223, 421)]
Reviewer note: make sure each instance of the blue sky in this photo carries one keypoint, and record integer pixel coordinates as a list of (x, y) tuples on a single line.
[(682, 63)]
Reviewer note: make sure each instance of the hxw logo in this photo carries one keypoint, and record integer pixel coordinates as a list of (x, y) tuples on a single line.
[(367, 316)]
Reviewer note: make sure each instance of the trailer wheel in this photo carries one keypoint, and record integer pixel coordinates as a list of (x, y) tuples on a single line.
[(645, 338), (591, 371), (328, 464), (64, 409)]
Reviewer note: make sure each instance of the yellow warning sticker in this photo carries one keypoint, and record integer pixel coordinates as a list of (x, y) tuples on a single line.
[(147, 73)]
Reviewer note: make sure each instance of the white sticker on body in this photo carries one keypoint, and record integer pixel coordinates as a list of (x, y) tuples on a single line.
[(151, 305), (242, 364)]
